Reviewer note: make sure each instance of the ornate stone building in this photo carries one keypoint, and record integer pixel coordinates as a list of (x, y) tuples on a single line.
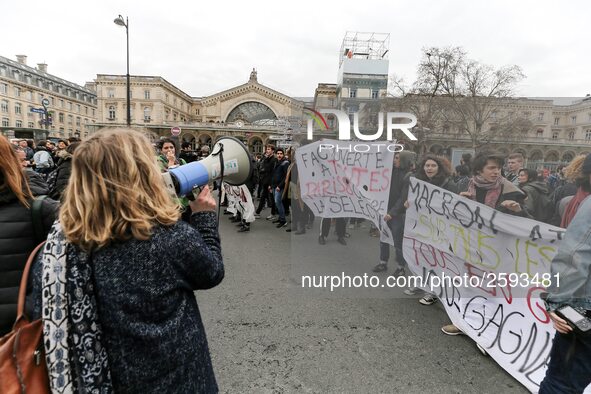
[(558, 128), (72, 108), (251, 112)]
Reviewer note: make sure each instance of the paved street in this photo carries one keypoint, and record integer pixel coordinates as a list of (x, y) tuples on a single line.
[(268, 335)]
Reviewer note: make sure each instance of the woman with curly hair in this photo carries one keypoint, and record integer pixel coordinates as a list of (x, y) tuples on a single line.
[(437, 171)]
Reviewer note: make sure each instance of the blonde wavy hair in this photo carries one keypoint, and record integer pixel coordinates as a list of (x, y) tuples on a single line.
[(115, 192), (574, 171)]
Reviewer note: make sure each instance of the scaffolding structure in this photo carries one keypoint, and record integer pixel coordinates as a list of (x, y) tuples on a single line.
[(360, 45)]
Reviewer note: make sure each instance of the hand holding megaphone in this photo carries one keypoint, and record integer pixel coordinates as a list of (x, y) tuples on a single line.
[(229, 157), (204, 201)]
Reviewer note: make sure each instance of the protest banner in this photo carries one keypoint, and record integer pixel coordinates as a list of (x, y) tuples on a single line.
[(501, 265), (339, 179), (239, 201)]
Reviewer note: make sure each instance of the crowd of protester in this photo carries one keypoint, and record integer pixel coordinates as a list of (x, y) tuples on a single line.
[(46, 168)]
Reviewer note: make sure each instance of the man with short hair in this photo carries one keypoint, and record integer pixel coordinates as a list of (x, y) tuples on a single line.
[(29, 152), (514, 163), (267, 164), (187, 154), (278, 184)]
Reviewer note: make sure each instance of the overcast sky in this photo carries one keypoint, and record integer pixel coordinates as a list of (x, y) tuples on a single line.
[(207, 46)]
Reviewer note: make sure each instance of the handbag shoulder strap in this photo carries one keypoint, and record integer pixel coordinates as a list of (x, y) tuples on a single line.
[(22, 292)]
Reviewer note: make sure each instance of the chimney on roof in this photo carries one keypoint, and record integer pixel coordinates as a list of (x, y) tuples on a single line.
[(22, 59), (42, 67)]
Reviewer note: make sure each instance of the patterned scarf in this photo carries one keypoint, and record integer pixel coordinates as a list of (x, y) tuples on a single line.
[(493, 189), (76, 360)]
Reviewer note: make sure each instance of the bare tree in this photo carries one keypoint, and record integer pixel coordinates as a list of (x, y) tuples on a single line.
[(453, 92)]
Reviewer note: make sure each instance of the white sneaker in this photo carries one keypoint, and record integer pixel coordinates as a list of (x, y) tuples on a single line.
[(428, 299), (451, 329), (271, 217)]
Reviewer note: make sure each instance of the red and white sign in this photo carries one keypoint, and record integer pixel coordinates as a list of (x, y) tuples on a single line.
[(175, 130)]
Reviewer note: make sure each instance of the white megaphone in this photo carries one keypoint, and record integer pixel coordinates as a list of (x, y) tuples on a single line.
[(228, 154)]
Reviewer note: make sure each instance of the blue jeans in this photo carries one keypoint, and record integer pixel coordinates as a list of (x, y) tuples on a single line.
[(279, 204), (569, 369)]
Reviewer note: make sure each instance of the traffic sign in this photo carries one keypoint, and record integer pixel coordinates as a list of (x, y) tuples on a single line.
[(45, 102), (38, 110), (175, 130), (275, 137)]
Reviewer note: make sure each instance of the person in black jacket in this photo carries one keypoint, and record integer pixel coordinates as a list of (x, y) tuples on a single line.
[(63, 170), (17, 234), (404, 164), (267, 165), (278, 184)]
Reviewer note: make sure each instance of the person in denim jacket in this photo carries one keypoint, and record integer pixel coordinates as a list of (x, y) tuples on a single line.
[(569, 369)]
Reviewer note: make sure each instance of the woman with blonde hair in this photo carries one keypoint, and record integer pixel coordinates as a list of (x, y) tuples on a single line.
[(118, 274), (19, 234)]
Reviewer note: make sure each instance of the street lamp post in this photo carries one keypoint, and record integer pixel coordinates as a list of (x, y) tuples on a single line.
[(125, 23)]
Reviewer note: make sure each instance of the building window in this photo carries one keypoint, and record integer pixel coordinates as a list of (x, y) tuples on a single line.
[(3, 88), (147, 94), (374, 93), (4, 106), (573, 119), (29, 95), (556, 121), (571, 135), (555, 135), (61, 117), (146, 114), (86, 110), (17, 91), (78, 108), (69, 105), (70, 119), (19, 123), (93, 112), (110, 93), (166, 98), (540, 133), (77, 121), (31, 125), (588, 135), (111, 113), (40, 97), (29, 113), (17, 108), (493, 115), (5, 122), (61, 103), (331, 102), (353, 93), (540, 116)]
